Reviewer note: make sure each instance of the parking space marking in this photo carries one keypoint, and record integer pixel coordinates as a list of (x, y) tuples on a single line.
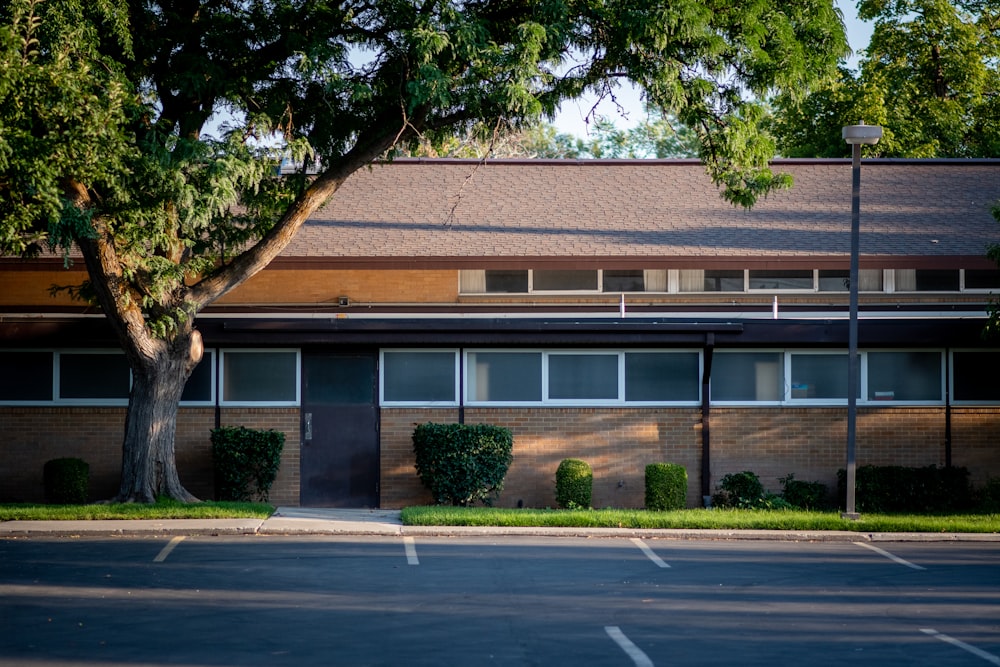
[(631, 650), (165, 551), (988, 657), (895, 559), (411, 551), (649, 552)]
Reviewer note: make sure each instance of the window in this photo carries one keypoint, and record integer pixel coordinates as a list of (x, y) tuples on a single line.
[(982, 279), (974, 377), (94, 376), (25, 376), (507, 281), (623, 281), (904, 376), (582, 377), (661, 377), (818, 376), (566, 377), (720, 281), (260, 376), (771, 279), (200, 387), (564, 281), (747, 376), (504, 377), (834, 281), (418, 376), (926, 280)]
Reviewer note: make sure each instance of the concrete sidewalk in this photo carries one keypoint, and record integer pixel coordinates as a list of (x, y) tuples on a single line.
[(292, 521)]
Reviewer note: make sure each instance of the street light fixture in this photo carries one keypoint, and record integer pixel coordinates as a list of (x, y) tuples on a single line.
[(856, 136)]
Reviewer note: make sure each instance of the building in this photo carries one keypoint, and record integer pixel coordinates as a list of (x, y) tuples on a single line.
[(615, 311)]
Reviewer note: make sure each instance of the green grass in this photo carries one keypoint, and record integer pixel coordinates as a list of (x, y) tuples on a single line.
[(162, 509), (713, 519)]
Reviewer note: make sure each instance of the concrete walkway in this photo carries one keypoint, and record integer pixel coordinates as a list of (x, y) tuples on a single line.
[(319, 521)]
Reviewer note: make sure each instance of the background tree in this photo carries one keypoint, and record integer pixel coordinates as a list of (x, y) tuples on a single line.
[(930, 77), (104, 106)]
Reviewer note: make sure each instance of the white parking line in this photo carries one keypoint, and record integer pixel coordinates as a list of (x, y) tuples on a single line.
[(895, 559), (631, 650), (988, 657), (649, 552), (165, 551), (411, 551)]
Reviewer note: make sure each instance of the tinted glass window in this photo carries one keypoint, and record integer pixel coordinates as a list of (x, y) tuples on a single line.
[(654, 376), (583, 376), (904, 376), (421, 377), (94, 376), (260, 377), (505, 376), (564, 281), (624, 281), (747, 376), (975, 376), (771, 280), (507, 281), (25, 376)]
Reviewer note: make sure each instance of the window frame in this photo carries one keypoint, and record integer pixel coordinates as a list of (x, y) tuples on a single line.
[(221, 374), (547, 401), (458, 364), (97, 402), (951, 377), (209, 357)]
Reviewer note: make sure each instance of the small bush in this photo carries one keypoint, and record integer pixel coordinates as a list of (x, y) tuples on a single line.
[(903, 489), (987, 497), (246, 462), (666, 486), (804, 495), (741, 490), (67, 481), (574, 484), (461, 464)]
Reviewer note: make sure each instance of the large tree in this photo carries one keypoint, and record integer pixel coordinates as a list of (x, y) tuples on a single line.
[(105, 105), (930, 76)]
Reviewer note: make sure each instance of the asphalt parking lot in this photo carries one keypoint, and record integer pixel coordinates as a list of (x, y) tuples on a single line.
[(203, 601)]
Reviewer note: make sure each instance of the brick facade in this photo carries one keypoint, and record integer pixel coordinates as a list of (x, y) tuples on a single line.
[(772, 442), (617, 442), (32, 436)]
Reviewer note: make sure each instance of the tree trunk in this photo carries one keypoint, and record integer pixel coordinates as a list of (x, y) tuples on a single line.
[(149, 467)]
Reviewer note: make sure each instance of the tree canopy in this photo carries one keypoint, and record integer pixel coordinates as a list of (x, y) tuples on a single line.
[(930, 76), (107, 146)]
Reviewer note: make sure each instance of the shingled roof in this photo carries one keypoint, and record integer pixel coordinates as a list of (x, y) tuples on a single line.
[(447, 211)]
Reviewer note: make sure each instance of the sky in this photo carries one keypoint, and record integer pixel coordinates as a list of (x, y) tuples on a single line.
[(570, 119)]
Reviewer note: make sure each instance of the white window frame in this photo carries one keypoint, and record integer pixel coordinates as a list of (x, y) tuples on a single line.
[(864, 400), (951, 377), (260, 404), (783, 391), (55, 375), (974, 290), (208, 357), (547, 354), (468, 388), (97, 402), (418, 404)]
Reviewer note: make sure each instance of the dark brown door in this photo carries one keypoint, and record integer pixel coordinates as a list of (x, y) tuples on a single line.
[(339, 460)]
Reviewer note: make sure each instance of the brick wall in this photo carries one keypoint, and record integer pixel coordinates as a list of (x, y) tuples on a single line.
[(772, 442), (32, 435), (617, 442)]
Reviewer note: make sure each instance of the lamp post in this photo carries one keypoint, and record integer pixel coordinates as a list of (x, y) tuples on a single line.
[(856, 136)]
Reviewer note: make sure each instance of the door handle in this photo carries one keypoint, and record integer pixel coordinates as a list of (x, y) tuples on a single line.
[(308, 419)]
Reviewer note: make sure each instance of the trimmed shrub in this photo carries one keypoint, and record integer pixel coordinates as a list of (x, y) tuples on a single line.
[(741, 490), (903, 489), (461, 464), (805, 495), (246, 462), (67, 481), (666, 486), (987, 497), (574, 484)]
